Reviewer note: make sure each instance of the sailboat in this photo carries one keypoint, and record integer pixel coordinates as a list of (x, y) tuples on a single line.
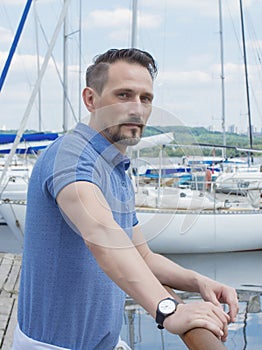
[(174, 224), (178, 219), (175, 219), (13, 184)]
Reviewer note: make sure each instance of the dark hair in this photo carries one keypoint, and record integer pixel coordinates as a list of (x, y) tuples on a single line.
[(97, 73)]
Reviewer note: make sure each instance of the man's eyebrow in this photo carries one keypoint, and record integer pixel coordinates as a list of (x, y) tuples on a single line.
[(128, 90)]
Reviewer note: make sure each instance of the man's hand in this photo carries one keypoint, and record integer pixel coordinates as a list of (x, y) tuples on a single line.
[(218, 293), (198, 315)]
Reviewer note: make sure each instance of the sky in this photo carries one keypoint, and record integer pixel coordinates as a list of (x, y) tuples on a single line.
[(184, 36)]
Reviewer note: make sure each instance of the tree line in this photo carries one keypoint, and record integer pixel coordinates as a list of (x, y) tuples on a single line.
[(185, 137)]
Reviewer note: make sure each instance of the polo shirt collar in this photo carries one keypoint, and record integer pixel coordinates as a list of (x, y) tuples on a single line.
[(103, 147)]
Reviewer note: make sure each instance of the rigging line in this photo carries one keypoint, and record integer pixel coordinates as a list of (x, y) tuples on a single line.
[(256, 102), (56, 67), (246, 74), (234, 29), (7, 18), (252, 41), (255, 42), (35, 90)]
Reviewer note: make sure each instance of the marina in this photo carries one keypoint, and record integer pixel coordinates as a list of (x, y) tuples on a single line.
[(139, 329), (228, 251), (219, 236)]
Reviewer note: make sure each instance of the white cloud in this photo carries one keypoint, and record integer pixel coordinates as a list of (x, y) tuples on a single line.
[(21, 2), (149, 20), (5, 36), (179, 34), (14, 2), (115, 18), (119, 36), (122, 17), (202, 7), (185, 77)]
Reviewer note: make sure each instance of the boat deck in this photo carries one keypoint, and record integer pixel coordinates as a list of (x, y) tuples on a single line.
[(236, 204), (10, 266)]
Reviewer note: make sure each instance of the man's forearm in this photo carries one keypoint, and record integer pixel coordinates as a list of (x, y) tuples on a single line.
[(128, 270), (172, 274)]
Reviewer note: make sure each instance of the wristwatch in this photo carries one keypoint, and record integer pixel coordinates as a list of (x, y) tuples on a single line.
[(165, 308)]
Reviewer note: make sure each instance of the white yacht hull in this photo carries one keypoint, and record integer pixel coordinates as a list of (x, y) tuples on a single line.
[(179, 231), (174, 231)]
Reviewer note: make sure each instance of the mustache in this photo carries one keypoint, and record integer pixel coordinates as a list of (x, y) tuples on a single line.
[(133, 120)]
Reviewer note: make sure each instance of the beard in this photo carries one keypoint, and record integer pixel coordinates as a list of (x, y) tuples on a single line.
[(115, 135)]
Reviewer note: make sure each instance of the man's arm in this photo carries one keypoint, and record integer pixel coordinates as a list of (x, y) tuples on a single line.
[(177, 277), (85, 206)]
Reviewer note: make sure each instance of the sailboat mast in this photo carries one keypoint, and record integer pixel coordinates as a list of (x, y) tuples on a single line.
[(65, 75), (15, 43), (134, 25), (38, 70), (80, 60), (222, 76), (246, 75)]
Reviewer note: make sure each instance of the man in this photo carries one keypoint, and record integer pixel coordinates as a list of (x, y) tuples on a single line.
[(83, 247)]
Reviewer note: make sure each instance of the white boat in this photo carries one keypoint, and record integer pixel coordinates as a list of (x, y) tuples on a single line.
[(182, 220), (15, 178), (176, 198), (174, 220), (178, 220), (235, 227), (13, 214), (239, 181)]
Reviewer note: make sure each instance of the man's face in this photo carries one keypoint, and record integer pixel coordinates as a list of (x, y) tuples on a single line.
[(124, 106)]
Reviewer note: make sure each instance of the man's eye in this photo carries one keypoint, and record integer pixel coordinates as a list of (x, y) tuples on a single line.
[(123, 95), (146, 99)]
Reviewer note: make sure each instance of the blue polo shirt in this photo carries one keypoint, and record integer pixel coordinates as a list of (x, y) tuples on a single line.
[(65, 298)]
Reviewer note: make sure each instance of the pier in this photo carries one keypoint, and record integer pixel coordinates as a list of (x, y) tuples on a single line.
[(10, 266)]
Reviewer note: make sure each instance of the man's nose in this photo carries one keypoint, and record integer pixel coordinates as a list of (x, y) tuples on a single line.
[(136, 107)]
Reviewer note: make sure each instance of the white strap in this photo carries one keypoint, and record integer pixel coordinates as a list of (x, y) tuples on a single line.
[(23, 342), (121, 345)]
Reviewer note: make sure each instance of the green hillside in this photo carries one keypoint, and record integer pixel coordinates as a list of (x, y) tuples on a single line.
[(188, 136)]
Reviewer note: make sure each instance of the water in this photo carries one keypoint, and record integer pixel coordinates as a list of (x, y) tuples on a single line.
[(241, 270), (140, 332)]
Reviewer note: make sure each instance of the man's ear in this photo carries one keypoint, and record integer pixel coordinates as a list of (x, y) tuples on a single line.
[(88, 96)]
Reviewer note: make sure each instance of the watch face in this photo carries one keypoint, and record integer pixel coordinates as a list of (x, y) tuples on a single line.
[(167, 306)]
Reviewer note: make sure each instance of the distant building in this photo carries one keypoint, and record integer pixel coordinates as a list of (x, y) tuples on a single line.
[(232, 129)]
